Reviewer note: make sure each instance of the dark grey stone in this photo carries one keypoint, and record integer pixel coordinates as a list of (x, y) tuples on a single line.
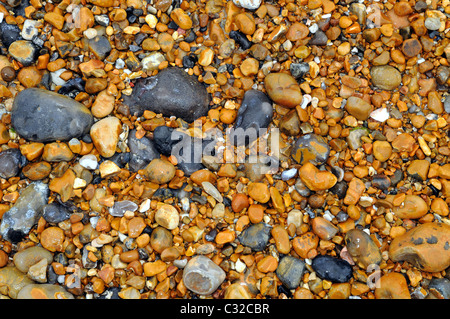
[(55, 213), (171, 92), (290, 271), (256, 236), (142, 150), (255, 114), (299, 70), (332, 269), (39, 115), (11, 161)]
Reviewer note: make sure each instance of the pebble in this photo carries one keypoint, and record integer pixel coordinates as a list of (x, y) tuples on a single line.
[(385, 77), (392, 286), (255, 236), (167, 216), (120, 208), (283, 89), (161, 239), (305, 244), (362, 248), (323, 228), (187, 100), (424, 246), (142, 151), (253, 117), (52, 239), (55, 117), (24, 214), (55, 213), (248, 4), (315, 179), (290, 271), (332, 269), (202, 276), (259, 192), (382, 150), (412, 207), (44, 291), (358, 107), (310, 148), (23, 51), (105, 135), (11, 161), (28, 257)]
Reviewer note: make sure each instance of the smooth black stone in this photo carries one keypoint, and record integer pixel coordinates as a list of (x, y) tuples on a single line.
[(142, 151), (332, 269), (120, 159), (39, 115), (11, 161), (256, 236), (55, 213), (241, 39), (254, 115), (339, 189), (172, 92), (188, 61)]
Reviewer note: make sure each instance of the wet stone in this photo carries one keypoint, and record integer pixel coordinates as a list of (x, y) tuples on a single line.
[(440, 288), (23, 51), (299, 70), (283, 89), (187, 100), (256, 236), (332, 269), (362, 248), (43, 116), (290, 271), (25, 212), (14, 280)]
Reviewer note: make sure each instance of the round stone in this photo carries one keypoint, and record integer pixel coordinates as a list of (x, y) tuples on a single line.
[(385, 77), (202, 276), (160, 171), (283, 89)]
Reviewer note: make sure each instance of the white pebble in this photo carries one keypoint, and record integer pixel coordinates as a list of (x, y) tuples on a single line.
[(380, 115), (145, 206), (56, 79), (89, 161), (90, 33), (248, 4)]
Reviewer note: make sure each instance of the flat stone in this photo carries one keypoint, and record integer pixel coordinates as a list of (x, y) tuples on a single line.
[(315, 179), (332, 269), (187, 99), (43, 116)]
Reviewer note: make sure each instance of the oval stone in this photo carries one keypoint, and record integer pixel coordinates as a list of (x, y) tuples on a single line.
[(43, 116), (283, 89), (171, 92), (411, 208), (332, 269), (385, 77), (362, 248)]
